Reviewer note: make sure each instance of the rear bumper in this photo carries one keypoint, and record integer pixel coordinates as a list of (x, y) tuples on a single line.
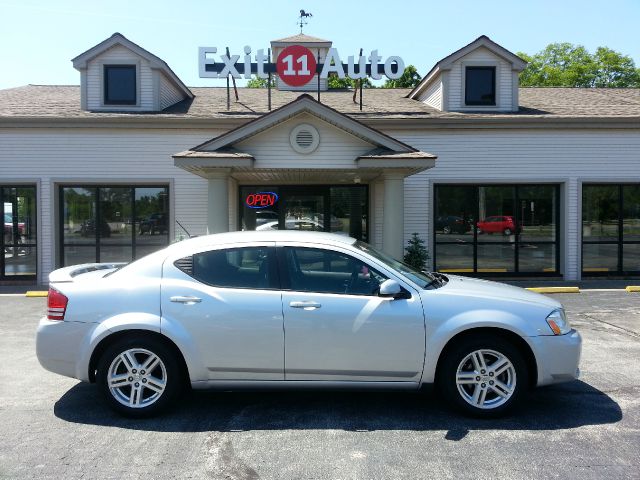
[(557, 357), (59, 345)]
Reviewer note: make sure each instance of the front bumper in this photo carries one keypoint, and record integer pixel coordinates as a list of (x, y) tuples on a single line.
[(557, 357), (59, 346)]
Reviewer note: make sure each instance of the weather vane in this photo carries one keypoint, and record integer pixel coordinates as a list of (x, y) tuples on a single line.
[(303, 18)]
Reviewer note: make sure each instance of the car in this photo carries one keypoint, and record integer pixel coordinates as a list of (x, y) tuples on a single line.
[(154, 223), (88, 228), (8, 227), (293, 224), (452, 224), (498, 224), (298, 310)]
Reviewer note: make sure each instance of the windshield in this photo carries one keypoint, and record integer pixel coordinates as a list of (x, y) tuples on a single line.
[(423, 279)]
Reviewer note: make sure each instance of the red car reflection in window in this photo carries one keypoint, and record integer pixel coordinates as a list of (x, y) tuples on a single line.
[(498, 224)]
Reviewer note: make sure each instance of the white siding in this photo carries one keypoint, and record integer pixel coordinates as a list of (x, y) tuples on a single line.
[(504, 80), (521, 156), (432, 96), (120, 55), (54, 156), (272, 149), (169, 93)]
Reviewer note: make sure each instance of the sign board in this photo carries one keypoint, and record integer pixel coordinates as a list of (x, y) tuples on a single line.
[(297, 65), (261, 199)]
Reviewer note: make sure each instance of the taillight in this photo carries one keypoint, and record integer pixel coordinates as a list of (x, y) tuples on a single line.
[(56, 305)]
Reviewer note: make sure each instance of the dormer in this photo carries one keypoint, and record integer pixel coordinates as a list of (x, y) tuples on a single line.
[(480, 77), (118, 75), (318, 46)]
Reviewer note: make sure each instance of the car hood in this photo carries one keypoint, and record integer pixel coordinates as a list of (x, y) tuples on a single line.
[(474, 287)]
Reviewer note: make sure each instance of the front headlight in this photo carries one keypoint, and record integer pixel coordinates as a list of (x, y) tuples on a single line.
[(558, 322)]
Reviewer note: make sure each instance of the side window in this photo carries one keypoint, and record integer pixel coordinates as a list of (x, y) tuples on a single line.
[(233, 268), (325, 271)]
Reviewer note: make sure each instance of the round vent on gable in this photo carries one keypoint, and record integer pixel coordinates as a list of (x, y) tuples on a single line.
[(304, 138)]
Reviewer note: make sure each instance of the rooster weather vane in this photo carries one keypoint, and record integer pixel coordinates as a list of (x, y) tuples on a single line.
[(303, 19)]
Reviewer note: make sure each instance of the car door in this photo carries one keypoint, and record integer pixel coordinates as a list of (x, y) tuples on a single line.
[(227, 303), (337, 327)]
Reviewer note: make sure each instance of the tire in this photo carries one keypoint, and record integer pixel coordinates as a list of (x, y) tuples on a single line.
[(139, 392), (446, 229), (463, 385), (507, 231)]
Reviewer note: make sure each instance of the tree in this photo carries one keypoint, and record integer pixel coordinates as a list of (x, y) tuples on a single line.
[(335, 82), (416, 253), (568, 65), (258, 82), (409, 79)]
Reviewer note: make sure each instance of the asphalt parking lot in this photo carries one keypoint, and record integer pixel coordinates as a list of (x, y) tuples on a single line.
[(55, 427)]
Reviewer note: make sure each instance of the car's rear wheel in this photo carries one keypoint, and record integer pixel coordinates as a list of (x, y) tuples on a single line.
[(483, 376), (139, 377), (446, 229), (507, 231)]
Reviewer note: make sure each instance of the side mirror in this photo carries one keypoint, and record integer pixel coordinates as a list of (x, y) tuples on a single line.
[(391, 288)]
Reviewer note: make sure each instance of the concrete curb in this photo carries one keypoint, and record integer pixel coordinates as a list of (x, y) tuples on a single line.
[(554, 289)]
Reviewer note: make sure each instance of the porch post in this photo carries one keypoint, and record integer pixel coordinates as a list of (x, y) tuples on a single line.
[(393, 214), (218, 201)]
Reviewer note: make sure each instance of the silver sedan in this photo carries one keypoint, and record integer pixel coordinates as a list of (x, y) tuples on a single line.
[(298, 310)]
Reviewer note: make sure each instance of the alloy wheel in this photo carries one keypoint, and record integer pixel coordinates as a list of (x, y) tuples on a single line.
[(137, 378)]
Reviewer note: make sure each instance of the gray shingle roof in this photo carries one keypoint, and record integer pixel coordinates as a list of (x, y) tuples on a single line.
[(55, 101)]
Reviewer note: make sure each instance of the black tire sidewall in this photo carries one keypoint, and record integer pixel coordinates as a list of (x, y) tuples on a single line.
[(447, 374), (166, 355)]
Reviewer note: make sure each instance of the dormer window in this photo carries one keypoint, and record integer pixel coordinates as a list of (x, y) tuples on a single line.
[(480, 86), (120, 85)]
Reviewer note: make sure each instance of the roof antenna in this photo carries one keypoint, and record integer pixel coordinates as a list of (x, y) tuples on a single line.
[(303, 19)]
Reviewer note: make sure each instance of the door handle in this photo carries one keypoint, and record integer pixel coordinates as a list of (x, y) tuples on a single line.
[(305, 305), (185, 300)]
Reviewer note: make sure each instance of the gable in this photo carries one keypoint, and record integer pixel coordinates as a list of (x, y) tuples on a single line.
[(273, 148)]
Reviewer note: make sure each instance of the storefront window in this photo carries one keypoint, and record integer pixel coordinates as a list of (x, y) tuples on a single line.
[(338, 209), (112, 223), (19, 239), (610, 229), (496, 229)]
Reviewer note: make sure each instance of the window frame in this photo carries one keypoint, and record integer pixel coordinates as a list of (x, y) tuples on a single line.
[(476, 242), (113, 103), (494, 69), (96, 245)]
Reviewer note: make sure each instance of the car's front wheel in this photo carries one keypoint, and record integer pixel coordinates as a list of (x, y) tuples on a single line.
[(139, 377), (483, 376)]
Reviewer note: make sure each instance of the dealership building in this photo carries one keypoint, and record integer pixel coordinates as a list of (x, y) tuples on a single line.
[(498, 180)]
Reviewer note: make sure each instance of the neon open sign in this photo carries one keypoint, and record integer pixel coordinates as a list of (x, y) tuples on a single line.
[(261, 200)]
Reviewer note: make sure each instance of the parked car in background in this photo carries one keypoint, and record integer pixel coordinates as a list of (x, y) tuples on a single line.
[(499, 224), (452, 224), (154, 223), (8, 227), (88, 228), (298, 310)]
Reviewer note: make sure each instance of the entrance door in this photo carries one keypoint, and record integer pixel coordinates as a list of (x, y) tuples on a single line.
[(18, 242), (341, 209), (303, 211)]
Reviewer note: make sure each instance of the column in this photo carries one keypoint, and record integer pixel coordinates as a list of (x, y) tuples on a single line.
[(393, 215), (218, 202)]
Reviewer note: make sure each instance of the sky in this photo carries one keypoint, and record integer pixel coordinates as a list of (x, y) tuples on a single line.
[(38, 38)]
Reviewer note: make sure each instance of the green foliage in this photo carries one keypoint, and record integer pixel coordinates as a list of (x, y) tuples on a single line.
[(409, 79), (568, 65), (335, 82), (416, 253), (260, 82)]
